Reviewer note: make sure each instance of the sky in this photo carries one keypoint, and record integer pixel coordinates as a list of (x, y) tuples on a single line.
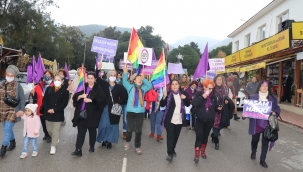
[(172, 19)]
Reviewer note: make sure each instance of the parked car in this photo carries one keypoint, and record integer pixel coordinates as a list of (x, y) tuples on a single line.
[(27, 88), (240, 99)]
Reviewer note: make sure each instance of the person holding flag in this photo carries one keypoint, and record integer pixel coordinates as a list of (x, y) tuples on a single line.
[(89, 100)]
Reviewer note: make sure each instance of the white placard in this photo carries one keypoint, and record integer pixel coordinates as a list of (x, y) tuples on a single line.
[(125, 58), (217, 64), (145, 56)]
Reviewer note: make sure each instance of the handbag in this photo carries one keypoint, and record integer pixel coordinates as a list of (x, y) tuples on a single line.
[(83, 114), (9, 100), (271, 131), (116, 109)]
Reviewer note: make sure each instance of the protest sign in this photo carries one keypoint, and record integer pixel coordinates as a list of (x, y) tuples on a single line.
[(175, 68), (125, 58), (148, 70), (257, 109), (104, 46), (145, 56), (128, 65), (106, 58), (217, 64)]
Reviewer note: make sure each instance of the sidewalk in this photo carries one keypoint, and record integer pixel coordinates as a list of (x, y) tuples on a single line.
[(292, 115)]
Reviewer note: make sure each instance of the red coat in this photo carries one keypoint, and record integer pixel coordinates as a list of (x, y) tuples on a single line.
[(39, 92)]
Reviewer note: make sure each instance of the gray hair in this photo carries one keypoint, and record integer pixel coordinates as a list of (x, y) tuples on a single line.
[(110, 72)]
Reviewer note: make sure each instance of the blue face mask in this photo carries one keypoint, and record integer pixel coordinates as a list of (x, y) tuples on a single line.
[(46, 78)]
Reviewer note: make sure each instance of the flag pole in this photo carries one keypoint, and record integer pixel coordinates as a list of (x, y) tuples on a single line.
[(82, 70), (164, 70), (84, 53), (131, 34)]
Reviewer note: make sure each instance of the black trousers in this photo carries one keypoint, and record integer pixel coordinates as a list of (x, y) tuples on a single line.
[(215, 134), (254, 145), (81, 135), (44, 126), (173, 133), (202, 132), (134, 123), (286, 95)]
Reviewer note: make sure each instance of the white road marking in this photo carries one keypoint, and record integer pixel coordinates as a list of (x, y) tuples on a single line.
[(124, 164)]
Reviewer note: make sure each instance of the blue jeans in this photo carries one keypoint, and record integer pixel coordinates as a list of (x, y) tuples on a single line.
[(26, 143), (124, 118), (8, 132), (155, 122)]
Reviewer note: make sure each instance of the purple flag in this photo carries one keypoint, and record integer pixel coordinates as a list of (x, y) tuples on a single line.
[(39, 69), (203, 65), (29, 73), (154, 55), (34, 73), (66, 70)]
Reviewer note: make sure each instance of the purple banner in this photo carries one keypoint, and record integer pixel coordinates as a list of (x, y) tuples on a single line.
[(257, 109), (128, 65), (150, 69), (106, 58), (104, 46)]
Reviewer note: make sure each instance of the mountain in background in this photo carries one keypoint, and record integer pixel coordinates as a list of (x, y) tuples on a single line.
[(202, 41), (88, 30)]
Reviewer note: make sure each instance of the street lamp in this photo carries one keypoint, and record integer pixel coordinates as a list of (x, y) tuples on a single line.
[(179, 57)]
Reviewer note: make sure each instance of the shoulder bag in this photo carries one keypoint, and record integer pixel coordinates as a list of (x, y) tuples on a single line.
[(9, 100), (116, 109), (83, 114)]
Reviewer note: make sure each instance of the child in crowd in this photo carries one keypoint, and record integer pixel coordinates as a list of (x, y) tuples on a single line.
[(31, 129)]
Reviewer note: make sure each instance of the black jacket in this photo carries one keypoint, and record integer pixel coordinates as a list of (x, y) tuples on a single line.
[(200, 110), (93, 109), (172, 107), (57, 101), (227, 112), (119, 95)]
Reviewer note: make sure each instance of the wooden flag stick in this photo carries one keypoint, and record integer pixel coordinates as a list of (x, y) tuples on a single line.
[(143, 70)]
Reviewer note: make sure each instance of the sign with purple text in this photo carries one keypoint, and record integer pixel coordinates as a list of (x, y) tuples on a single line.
[(217, 64), (148, 70), (257, 109), (128, 65), (106, 58), (145, 56), (104, 46)]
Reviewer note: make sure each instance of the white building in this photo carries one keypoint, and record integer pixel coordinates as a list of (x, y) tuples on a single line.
[(266, 22)]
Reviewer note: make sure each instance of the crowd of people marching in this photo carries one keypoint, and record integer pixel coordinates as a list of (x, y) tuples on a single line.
[(204, 106)]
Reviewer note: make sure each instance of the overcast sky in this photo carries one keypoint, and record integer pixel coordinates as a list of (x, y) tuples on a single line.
[(172, 19)]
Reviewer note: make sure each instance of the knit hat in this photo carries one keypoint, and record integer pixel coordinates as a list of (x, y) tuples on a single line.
[(32, 107), (12, 69)]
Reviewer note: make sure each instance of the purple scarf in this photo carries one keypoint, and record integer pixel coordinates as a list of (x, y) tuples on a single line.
[(169, 98), (208, 101)]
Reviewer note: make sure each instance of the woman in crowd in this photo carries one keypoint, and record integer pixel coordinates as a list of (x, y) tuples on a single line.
[(108, 129), (173, 119), (184, 81), (62, 73), (206, 107), (54, 102), (135, 107), (39, 91), (191, 91), (257, 126), (72, 90), (92, 101), (233, 95), (222, 117), (8, 113)]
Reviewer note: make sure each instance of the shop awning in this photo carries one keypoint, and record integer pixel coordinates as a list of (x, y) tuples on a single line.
[(229, 70), (253, 67)]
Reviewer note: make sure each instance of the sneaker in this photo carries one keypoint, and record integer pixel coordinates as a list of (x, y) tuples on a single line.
[(34, 153), (53, 150), (126, 145), (151, 135), (138, 151), (159, 137), (23, 155)]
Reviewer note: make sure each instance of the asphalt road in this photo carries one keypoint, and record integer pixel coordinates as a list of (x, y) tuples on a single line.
[(234, 153)]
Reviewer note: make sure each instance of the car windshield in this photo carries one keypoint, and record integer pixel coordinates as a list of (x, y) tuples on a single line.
[(21, 78)]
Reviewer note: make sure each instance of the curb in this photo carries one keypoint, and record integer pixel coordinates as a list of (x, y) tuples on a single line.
[(287, 122)]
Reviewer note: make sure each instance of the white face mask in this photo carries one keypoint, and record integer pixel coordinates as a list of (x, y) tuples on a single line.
[(112, 78), (9, 79), (57, 83)]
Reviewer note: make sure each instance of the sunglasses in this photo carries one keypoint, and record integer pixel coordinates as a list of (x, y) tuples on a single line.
[(210, 88)]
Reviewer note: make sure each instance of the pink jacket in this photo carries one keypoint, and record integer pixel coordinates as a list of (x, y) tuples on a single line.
[(31, 126)]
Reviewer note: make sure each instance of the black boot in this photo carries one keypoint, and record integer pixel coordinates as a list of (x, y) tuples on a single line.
[(236, 117), (3, 151), (77, 153), (12, 145), (109, 145), (169, 158), (263, 164), (104, 144), (253, 156), (217, 146)]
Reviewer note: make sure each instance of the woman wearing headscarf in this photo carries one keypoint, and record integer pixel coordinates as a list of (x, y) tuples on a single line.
[(54, 102), (8, 113), (92, 101), (191, 91), (108, 129), (173, 119), (257, 126), (222, 117), (39, 91), (135, 108), (206, 107)]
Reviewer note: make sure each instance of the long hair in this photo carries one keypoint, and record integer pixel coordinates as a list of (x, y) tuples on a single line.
[(269, 88)]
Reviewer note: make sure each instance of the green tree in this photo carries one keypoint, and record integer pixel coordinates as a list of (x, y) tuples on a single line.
[(195, 46), (227, 49), (190, 58)]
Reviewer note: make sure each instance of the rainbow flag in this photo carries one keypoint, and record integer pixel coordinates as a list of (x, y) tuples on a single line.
[(157, 78), (82, 80), (134, 44)]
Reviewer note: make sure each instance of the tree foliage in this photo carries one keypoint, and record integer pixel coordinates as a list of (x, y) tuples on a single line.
[(220, 51)]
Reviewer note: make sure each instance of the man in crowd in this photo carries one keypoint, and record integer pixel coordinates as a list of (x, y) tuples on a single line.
[(252, 86)]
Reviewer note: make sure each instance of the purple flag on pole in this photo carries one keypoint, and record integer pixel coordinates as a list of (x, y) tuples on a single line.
[(203, 65), (39, 69), (29, 73), (66, 70), (34, 73)]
